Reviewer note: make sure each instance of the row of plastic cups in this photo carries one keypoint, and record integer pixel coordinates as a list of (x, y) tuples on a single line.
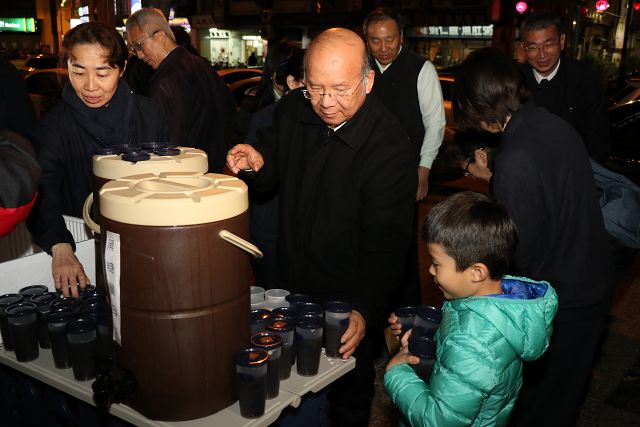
[(269, 299), (335, 316), (261, 367), (424, 321)]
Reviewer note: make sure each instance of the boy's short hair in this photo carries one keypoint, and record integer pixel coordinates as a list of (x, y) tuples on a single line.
[(472, 228), (541, 19)]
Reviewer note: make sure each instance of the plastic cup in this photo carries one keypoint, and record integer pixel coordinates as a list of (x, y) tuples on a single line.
[(7, 300), (336, 321), (23, 323), (43, 304), (285, 313), (57, 326), (29, 291), (82, 336), (251, 377), (310, 308), (68, 303), (275, 298), (426, 321), (425, 349), (256, 294), (272, 344), (285, 328), (405, 317), (295, 299), (259, 319), (308, 345)]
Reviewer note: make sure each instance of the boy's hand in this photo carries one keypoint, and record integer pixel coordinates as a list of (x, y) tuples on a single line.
[(394, 325), (403, 355)]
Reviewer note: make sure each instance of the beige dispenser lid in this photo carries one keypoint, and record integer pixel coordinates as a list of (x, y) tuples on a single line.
[(113, 167), (173, 198)]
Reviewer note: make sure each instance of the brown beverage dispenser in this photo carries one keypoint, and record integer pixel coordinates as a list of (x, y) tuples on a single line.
[(178, 289), (116, 162)]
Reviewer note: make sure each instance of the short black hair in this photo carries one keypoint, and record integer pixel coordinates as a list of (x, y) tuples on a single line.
[(489, 87), (291, 66), (464, 145), (96, 33), (473, 228), (540, 19), (382, 14)]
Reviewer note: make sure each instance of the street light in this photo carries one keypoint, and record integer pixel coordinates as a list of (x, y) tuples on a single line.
[(521, 7)]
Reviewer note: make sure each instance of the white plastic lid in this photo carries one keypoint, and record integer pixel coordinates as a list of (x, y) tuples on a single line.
[(173, 198), (113, 167)]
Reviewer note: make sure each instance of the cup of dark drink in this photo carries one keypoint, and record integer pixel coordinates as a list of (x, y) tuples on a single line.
[(308, 345), (426, 321), (82, 336), (336, 321), (285, 328), (405, 317), (272, 344), (251, 377), (425, 349), (57, 322), (43, 304), (6, 301), (23, 324), (29, 291)]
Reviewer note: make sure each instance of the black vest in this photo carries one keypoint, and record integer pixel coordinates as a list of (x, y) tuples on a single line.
[(397, 88)]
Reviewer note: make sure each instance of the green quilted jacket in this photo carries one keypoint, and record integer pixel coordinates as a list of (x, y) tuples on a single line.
[(481, 345)]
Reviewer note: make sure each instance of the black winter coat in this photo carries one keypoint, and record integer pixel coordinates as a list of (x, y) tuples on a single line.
[(65, 152), (543, 177), (346, 202)]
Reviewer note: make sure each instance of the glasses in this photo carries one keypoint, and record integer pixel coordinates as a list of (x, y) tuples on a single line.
[(534, 48), (466, 169), (137, 46), (316, 94)]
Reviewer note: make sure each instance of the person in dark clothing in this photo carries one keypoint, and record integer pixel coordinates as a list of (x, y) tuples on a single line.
[(138, 75), (407, 84), (263, 207), (542, 175), (98, 111), (16, 111), (19, 179), (196, 101), (568, 88), (252, 61), (347, 181)]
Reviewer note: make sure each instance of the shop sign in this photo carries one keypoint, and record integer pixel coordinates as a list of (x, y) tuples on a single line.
[(455, 32), (18, 25)]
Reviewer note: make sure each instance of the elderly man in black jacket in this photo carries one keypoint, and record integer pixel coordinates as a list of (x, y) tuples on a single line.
[(196, 101), (347, 181)]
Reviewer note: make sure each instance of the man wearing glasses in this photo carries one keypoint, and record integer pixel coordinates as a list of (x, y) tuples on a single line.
[(196, 101), (346, 174), (566, 87)]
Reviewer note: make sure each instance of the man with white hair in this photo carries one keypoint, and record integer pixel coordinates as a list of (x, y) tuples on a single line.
[(196, 101)]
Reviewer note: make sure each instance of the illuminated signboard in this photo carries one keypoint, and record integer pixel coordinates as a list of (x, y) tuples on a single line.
[(18, 25), (455, 32)]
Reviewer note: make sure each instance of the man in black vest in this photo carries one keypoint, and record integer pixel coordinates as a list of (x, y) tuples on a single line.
[(566, 87), (408, 86)]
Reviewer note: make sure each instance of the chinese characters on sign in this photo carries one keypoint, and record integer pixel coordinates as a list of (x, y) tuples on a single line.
[(455, 31)]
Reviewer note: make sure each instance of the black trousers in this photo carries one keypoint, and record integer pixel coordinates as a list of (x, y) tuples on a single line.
[(350, 396), (553, 386), (409, 292)]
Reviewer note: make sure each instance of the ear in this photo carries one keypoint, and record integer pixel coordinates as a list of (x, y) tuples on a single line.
[(291, 82), (490, 127), (479, 272), (369, 81), (562, 41), (482, 157)]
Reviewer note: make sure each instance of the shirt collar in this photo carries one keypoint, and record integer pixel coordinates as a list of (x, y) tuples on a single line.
[(551, 75), (383, 68)]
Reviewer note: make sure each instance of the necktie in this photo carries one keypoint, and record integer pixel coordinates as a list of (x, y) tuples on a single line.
[(544, 82)]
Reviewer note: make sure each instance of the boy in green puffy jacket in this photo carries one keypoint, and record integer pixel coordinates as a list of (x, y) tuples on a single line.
[(491, 322)]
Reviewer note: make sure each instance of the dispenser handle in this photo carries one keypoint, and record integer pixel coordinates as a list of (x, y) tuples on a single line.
[(241, 243), (86, 214)]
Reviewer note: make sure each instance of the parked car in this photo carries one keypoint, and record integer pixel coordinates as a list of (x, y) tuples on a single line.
[(232, 75), (39, 62), (45, 88), (624, 122)]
